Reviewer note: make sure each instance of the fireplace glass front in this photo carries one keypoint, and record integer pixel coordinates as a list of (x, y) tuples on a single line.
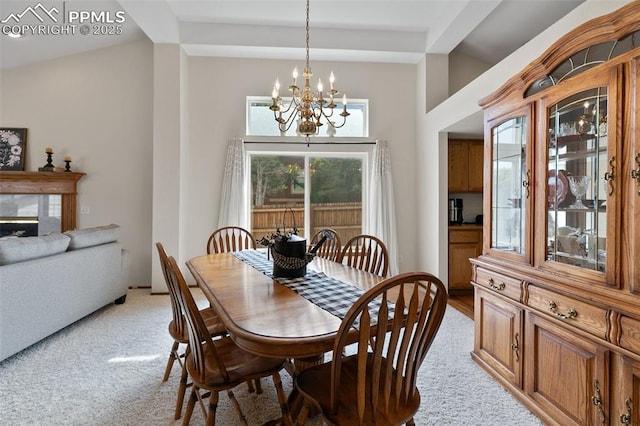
[(30, 214)]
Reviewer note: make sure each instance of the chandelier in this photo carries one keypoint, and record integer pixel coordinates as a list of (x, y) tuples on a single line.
[(307, 108)]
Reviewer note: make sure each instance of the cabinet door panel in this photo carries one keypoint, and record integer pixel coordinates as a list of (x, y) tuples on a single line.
[(625, 407), (465, 165), (498, 335), (460, 271), (565, 372), (476, 169), (458, 167)]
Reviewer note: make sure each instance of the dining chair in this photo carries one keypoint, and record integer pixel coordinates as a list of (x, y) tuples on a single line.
[(217, 365), (332, 246), (230, 238), (178, 329), (393, 325), (366, 252)]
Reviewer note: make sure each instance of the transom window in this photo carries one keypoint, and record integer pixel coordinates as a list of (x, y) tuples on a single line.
[(260, 121)]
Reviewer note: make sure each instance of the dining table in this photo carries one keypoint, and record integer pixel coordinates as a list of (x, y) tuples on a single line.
[(296, 319), (291, 318)]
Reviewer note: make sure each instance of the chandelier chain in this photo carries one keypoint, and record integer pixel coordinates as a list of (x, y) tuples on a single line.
[(307, 30)]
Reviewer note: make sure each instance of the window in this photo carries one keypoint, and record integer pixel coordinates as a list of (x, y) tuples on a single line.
[(260, 120), (323, 189)]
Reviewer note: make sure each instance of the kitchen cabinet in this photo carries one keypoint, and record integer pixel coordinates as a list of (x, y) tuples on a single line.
[(561, 249), (465, 165), (465, 242)]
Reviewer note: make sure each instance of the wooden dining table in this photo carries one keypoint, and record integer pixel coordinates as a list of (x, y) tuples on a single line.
[(264, 316)]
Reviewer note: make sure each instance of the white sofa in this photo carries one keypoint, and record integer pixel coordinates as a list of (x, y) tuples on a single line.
[(49, 282)]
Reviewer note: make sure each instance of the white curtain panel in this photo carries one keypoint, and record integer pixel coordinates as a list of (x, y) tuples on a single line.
[(382, 216), (232, 201)]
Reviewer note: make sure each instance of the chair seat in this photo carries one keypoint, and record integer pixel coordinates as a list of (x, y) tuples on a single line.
[(314, 382), (212, 321), (240, 365)]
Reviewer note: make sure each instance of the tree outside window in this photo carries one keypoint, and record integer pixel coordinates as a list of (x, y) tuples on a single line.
[(334, 186)]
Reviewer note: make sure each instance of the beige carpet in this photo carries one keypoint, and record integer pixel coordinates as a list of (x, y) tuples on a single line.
[(107, 369)]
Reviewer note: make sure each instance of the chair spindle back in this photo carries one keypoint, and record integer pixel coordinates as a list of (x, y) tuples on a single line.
[(395, 322), (367, 253), (229, 239)]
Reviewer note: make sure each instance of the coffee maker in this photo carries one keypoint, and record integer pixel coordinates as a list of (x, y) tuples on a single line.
[(455, 211)]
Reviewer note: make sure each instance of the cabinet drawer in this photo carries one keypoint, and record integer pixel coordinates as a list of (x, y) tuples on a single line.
[(465, 236), (582, 315), (502, 284), (630, 334)]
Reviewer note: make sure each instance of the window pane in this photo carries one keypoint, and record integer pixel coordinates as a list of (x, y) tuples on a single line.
[(331, 186), (277, 183), (336, 195), (260, 121), (508, 210)]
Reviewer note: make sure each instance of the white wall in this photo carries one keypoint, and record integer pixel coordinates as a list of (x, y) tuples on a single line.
[(95, 107), (464, 69)]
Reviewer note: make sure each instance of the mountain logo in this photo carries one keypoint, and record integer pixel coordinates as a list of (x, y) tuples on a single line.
[(39, 11)]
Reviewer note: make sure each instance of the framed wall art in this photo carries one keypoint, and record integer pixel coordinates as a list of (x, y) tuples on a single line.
[(13, 148)]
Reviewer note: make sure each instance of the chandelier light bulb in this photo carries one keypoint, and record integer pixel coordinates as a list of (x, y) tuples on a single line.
[(344, 100), (320, 86), (332, 79), (295, 75)]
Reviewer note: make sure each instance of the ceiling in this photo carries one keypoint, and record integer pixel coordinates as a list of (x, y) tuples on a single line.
[(352, 30)]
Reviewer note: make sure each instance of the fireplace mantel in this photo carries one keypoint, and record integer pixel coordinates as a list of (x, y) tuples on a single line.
[(63, 183)]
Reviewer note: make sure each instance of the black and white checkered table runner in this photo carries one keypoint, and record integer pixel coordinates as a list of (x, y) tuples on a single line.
[(330, 294)]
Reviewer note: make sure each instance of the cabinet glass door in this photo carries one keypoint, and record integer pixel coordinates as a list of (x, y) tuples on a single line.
[(509, 185), (578, 181)]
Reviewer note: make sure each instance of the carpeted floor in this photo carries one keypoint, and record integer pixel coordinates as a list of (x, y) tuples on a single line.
[(107, 369)]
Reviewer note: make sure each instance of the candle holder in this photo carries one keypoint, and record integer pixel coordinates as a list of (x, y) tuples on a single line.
[(49, 166), (67, 167)]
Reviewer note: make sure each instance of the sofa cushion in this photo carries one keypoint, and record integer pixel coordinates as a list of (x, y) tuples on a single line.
[(81, 238), (14, 250)]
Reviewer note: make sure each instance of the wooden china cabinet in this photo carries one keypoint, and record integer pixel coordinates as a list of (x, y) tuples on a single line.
[(557, 288)]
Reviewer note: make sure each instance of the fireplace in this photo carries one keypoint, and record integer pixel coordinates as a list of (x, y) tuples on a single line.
[(19, 226), (40, 202)]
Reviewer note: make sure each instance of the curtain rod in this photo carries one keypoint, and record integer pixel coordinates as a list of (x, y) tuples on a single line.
[(308, 143)]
